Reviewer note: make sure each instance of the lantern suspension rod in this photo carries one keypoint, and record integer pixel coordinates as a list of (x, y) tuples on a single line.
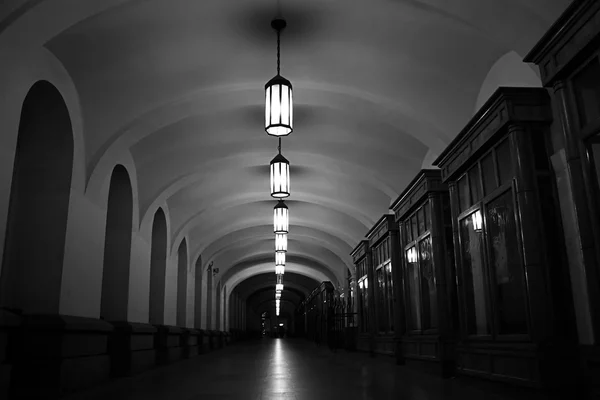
[(279, 146), (278, 24)]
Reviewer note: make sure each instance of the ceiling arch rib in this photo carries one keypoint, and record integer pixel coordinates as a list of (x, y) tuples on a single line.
[(158, 184), (264, 250), (239, 273), (228, 243), (348, 231), (265, 282), (313, 267), (303, 213), (223, 203)]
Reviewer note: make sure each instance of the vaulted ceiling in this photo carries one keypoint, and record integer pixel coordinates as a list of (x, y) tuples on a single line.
[(380, 88)]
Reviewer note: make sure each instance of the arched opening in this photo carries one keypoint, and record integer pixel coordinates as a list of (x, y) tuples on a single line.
[(39, 204), (117, 247), (158, 267), (181, 283), (198, 294), (218, 308)]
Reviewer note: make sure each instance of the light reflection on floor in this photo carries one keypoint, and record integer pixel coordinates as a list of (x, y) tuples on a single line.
[(288, 369)]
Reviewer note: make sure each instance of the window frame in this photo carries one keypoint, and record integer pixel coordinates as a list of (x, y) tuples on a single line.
[(490, 285)]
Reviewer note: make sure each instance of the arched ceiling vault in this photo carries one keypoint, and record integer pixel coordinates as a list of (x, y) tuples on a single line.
[(379, 87)]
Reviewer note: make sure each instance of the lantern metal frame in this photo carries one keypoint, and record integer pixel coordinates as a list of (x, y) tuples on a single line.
[(280, 175), (281, 217), (280, 269)]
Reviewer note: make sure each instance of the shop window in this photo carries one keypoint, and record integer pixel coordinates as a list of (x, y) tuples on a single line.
[(390, 294), (473, 276), (414, 296), (428, 291), (504, 160), (464, 198), (488, 173), (381, 303), (506, 266), (421, 219), (413, 226), (475, 185), (586, 85)]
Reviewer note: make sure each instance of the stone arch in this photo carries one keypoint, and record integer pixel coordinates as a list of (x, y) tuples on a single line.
[(158, 268), (181, 283), (39, 204), (117, 247)]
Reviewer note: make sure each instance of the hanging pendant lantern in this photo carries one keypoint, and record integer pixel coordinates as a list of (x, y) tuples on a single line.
[(277, 295), (279, 258), (280, 176), (280, 269), (281, 218), (280, 242), (278, 95)]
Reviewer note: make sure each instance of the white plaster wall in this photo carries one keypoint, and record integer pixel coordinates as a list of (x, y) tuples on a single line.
[(139, 280), (509, 70), (171, 290), (84, 256), (204, 302), (190, 295)]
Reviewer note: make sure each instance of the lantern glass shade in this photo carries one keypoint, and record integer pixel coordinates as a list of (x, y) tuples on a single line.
[(279, 279), (280, 242), (281, 221), (277, 295), (280, 177), (279, 269), (280, 258), (477, 221), (278, 107), (279, 287), (277, 312)]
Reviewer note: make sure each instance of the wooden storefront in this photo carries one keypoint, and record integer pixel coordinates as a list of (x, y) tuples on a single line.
[(386, 325), (423, 215), (510, 259), (568, 57)]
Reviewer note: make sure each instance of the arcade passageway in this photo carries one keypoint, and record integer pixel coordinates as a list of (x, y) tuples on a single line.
[(420, 195), (292, 369)]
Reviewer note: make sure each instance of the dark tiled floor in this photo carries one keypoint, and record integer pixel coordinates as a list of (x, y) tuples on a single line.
[(291, 369)]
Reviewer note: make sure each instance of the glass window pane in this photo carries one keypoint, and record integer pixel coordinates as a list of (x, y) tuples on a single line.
[(407, 231), (473, 279), (505, 170), (475, 184), (414, 320), (413, 226), (386, 254), (381, 303), (488, 173), (429, 298), (390, 294), (505, 261), (586, 86), (421, 218), (426, 215), (464, 199)]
